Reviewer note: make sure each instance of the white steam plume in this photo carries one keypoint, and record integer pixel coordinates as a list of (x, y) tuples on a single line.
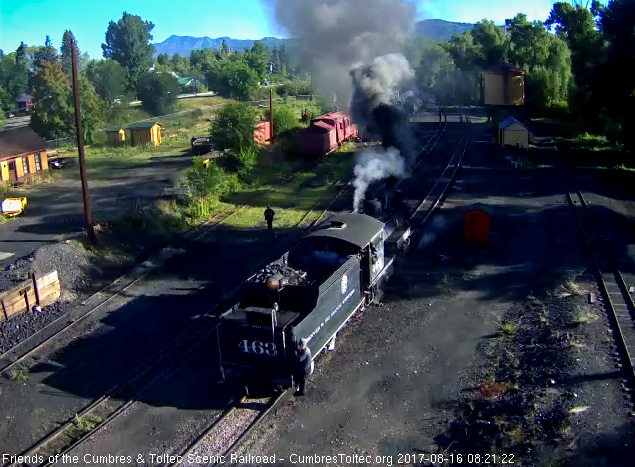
[(375, 164)]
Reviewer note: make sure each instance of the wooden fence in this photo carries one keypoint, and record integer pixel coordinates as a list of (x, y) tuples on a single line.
[(40, 291)]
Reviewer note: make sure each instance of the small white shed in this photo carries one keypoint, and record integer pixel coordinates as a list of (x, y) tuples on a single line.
[(513, 133)]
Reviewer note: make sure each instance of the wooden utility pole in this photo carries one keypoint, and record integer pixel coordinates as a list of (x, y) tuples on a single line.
[(271, 112), (80, 147)]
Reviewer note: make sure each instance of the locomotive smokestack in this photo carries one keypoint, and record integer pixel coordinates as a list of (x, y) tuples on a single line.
[(375, 85)]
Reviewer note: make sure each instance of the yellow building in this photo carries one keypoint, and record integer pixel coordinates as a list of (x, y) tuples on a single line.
[(504, 85), (145, 133), (116, 135), (23, 154), (513, 133)]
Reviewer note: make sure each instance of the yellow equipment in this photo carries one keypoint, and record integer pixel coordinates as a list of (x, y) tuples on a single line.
[(12, 207)]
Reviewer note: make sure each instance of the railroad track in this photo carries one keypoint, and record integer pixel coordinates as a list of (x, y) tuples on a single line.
[(102, 411), (64, 323), (616, 298), (8, 361), (220, 439), (120, 398), (424, 151), (437, 194)]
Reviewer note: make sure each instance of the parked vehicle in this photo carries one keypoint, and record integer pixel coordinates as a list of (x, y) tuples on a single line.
[(201, 145), (9, 115), (12, 207), (62, 162)]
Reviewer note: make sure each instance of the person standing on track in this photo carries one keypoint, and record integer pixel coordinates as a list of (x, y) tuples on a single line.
[(304, 366), (269, 213)]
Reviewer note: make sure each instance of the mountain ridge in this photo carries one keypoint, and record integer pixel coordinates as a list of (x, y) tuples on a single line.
[(433, 29)]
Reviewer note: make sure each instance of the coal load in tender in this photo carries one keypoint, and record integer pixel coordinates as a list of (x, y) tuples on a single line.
[(282, 273)]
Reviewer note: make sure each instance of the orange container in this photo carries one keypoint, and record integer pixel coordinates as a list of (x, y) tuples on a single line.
[(477, 226)]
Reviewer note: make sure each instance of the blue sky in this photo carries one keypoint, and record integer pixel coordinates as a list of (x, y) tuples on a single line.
[(31, 20)]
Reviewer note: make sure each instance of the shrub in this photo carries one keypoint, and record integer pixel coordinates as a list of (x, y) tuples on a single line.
[(233, 127), (284, 120), (247, 158)]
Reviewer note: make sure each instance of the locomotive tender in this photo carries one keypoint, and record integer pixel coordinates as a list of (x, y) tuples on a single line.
[(310, 292)]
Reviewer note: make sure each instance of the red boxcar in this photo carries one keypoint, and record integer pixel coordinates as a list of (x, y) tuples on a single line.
[(326, 133)]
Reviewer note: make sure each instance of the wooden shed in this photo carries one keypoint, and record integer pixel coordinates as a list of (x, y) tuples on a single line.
[(513, 133), (145, 133), (23, 155), (116, 135), (504, 85)]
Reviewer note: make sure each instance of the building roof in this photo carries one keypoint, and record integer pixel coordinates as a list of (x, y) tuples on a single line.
[(509, 121), (141, 125), (184, 80), (114, 128), (334, 115), (357, 229), (22, 140), (322, 125), (505, 67), (24, 98)]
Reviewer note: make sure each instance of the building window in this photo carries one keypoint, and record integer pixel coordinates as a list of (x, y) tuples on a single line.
[(38, 162), (25, 165)]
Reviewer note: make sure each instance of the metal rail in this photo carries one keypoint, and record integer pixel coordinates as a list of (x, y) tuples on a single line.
[(141, 378), (147, 375), (619, 304), (223, 451), (144, 378), (210, 225)]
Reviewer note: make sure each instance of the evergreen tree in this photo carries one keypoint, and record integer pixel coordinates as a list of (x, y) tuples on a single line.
[(66, 50)]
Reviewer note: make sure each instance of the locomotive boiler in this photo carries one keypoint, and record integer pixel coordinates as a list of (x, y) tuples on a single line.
[(310, 292)]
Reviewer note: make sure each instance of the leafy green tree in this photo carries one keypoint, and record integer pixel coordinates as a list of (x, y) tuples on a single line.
[(205, 60), (54, 116), (234, 78), (614, 83), (257, 58), (128, 42), (492, 44), (465, 77), (164, 60), (233, 128), (576, 25), (5, 99), (530, 45), (108, 78), (180, 65), (13, 78), (158, 92), (47, 53)]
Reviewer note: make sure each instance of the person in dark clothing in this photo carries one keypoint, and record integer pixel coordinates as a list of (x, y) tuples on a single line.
[(304, 367), (269, 213)]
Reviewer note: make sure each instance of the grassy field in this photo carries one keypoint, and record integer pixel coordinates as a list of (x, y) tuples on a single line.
[(292, 201)]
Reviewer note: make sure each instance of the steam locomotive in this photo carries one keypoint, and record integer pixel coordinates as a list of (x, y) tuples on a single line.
[(310, 292)]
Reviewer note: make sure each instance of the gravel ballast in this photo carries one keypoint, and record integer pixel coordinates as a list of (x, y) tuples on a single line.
[(82, 271)]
